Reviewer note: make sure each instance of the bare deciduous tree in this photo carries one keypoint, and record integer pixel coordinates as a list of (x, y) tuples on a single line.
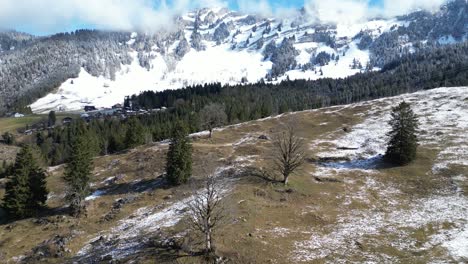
[(207, 212), (212, 116), (289, 152)]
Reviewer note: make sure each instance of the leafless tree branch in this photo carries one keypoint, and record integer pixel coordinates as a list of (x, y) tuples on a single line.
[(207, 211), (289, 152)]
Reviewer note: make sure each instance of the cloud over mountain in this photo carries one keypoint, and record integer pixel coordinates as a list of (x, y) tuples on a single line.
[(148, 15), (104, 14), (351, 11)]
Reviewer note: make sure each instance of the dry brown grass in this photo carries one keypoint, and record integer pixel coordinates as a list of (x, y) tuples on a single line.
[(267, 218)]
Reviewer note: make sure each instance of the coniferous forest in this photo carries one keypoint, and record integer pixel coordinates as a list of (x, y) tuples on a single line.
[(447, 66)]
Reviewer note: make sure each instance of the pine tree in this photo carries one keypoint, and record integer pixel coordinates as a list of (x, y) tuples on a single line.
[(403, 143), (77, 175), (179, 157), (135, 135), (52, 119), (38, 187), (26, 191)]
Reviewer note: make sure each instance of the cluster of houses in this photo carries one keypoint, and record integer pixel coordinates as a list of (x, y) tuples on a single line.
[(117, 111), (43, 125)]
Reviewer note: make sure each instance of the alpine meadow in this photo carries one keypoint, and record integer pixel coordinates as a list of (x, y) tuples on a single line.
[(234, 131)]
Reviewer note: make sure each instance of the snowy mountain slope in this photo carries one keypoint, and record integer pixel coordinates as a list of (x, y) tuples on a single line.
[(216, 45), (216, 64)]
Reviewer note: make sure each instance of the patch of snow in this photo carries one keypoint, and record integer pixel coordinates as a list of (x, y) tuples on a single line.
[(446, 40), (243, 161), (200, 134), (95, 195), (108, 180), (52, 169), (246, 140), (457, 244), (340, 69)]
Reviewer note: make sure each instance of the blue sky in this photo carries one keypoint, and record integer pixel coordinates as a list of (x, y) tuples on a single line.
[(291, 3), (43, 17)]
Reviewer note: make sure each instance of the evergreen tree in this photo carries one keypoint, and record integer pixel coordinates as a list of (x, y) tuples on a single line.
[(38, 187), (52, 119), (179, 157), (135, 135), (403, 142), (26, 191), (77, 175)]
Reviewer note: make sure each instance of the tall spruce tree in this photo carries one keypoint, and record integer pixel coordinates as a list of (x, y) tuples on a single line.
[(77, 175), (51, 119), (403, 143), (179, 157), (26, 191), (135, 134)]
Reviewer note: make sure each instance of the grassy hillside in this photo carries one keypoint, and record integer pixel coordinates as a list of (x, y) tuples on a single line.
[(345, 204), (11, 124)]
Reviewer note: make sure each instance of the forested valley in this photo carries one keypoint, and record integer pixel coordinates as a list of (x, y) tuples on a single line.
[(442, 67)]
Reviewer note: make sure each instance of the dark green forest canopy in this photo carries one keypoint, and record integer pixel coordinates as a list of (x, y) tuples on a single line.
[(443, 67)]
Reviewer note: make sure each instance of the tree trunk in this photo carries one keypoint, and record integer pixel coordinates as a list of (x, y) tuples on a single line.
[(286, 178), (208, 246)]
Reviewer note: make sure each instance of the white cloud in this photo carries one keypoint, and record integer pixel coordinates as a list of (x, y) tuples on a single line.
[(52, 15), (334, 11), (399, 7), (351, 11), (149, 15)]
